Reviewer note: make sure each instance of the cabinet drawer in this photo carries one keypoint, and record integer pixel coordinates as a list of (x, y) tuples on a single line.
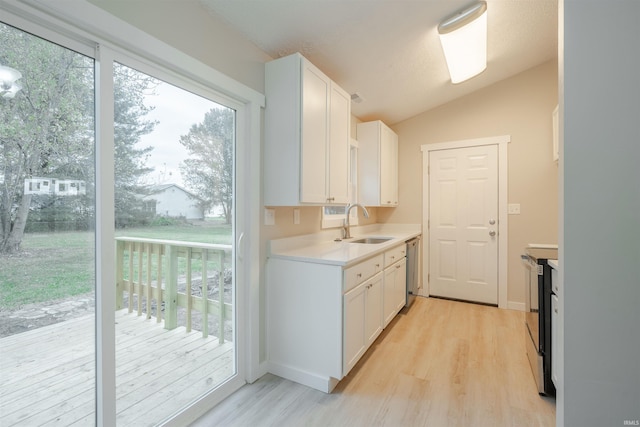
[(394, 255), (361, 272)]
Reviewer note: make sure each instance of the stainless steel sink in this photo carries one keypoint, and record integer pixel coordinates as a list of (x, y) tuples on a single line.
[(372, 240)]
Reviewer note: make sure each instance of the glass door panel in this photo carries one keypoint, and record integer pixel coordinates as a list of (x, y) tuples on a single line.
[(175, 287), (47, 233)]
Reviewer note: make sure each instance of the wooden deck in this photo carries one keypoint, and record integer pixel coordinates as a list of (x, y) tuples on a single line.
[(47, 376)]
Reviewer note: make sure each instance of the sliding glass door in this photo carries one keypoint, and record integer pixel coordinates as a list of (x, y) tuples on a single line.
[(174, 226), (119, 201)]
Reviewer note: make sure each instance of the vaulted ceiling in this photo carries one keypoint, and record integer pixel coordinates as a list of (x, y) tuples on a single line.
[(388, 51)]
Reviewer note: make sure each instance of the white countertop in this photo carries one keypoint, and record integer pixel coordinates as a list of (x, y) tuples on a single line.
[(323, 249), (553, 263)]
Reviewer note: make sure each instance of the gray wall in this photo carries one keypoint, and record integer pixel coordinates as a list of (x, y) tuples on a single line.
[(600, 213)]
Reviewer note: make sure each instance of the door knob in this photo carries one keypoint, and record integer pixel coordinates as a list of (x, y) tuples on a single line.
[(492, 221), (492, 233)]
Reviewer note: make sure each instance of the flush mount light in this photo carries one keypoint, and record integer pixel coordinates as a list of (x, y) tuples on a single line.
[(464, 41), (8, 82)]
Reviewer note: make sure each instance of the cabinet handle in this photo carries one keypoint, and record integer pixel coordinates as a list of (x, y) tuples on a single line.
[(377, 265), (359, 275), (397, 266), (331, 199)]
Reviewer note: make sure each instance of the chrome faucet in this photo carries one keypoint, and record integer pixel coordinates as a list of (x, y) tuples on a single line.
[(346, 232)]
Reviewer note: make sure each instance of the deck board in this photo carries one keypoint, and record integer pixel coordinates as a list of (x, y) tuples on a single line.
[(47, 375)]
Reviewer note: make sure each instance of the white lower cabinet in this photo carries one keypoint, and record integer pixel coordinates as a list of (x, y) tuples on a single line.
[(362, 319), (322, 318)]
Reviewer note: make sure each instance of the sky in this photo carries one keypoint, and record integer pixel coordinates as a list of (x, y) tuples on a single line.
[(176, 110)]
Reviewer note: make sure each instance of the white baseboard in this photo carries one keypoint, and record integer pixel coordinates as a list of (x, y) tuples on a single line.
[(325, 384), (519, 306)]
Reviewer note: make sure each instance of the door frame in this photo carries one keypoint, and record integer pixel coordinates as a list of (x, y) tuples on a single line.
[(501, 142)]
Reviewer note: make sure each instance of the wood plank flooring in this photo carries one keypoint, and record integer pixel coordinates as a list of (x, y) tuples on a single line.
[(440, 363), (47, 375)]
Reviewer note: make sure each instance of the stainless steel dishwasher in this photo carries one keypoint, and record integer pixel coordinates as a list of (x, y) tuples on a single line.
[(413, 270)]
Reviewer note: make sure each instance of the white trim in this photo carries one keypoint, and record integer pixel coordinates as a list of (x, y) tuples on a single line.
[(518, 306), (476, 142), (26, 18), (105, 241), (315, 381), (501, 142)]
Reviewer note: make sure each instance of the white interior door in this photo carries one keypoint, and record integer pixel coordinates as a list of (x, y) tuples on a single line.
[(463, 223)]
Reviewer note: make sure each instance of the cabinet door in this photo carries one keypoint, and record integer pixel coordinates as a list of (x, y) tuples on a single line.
[(315, 119), (373, 309), (388, 167), (400, 284), (395, 288), (354, 328), (388, 295), (339, 125)]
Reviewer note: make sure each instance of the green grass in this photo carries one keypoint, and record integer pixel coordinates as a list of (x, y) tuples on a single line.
[(52, 266), (212, 232)]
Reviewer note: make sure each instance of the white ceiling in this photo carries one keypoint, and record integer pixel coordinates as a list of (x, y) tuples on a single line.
[(388, 51)]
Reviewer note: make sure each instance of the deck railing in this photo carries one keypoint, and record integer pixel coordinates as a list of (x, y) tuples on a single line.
[(156, 273)]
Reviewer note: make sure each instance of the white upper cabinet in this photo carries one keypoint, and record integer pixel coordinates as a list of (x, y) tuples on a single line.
[(307, 120), (377, 164)]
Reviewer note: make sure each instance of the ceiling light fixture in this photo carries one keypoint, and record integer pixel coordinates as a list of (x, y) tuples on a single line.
[(9, 85), (464, 41)]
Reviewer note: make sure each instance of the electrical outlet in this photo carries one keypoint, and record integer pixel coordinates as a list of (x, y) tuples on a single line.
[(513, 209), (269, 216), (296, 216)]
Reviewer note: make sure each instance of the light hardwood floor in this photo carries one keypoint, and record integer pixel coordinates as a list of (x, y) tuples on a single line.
[(440, 363)]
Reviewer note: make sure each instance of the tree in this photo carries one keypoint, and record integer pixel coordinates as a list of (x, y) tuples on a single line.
[(130, 88), (47, 127), (209, 170), (47, 130)]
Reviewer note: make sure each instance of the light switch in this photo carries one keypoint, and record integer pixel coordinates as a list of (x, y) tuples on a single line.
[(513, 208), (296, 216), (269, 216)]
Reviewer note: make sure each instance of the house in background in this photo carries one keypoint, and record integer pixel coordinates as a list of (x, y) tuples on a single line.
[(54, 187), (173, 201)]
